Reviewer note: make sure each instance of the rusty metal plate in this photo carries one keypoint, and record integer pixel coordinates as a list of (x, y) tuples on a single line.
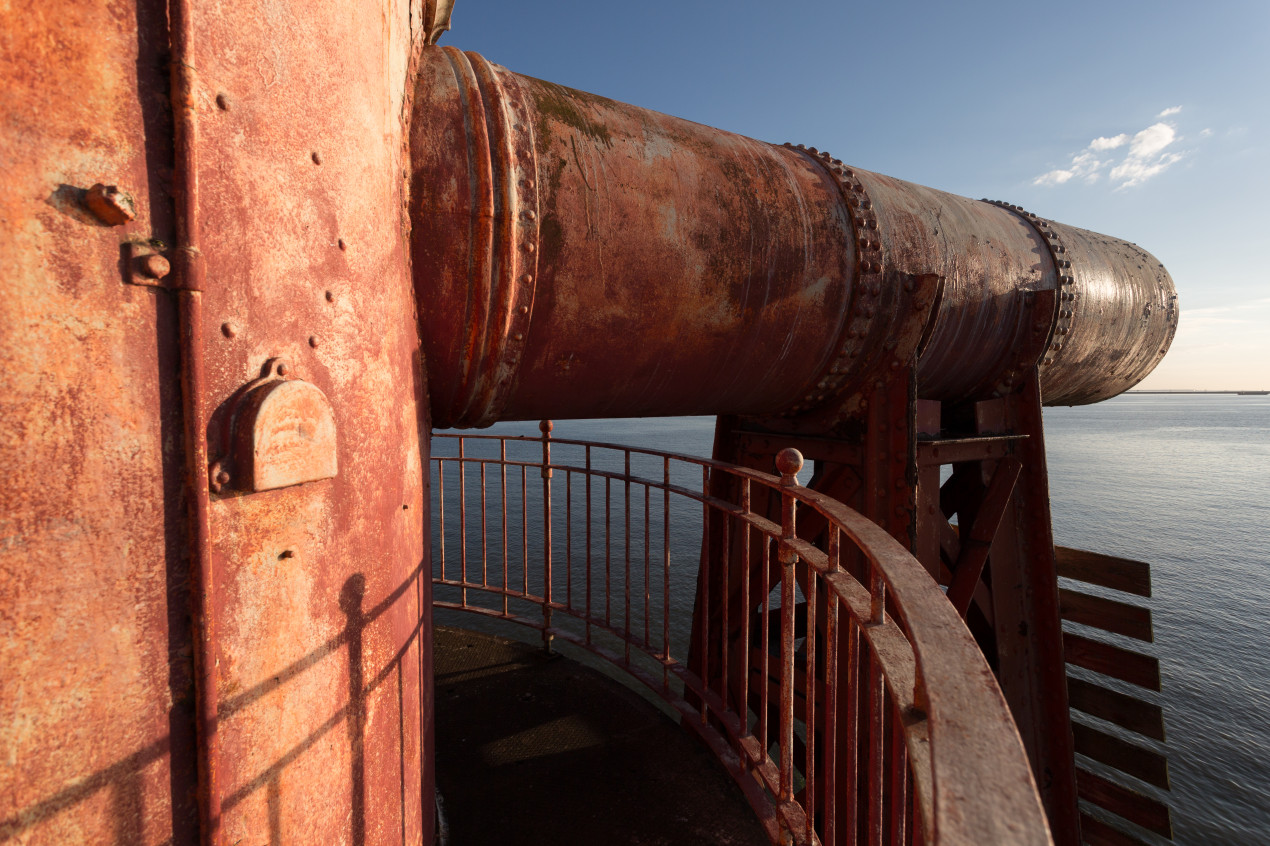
[(285, 435)]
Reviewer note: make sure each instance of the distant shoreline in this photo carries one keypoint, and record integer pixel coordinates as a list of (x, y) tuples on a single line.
[(1236, 393)]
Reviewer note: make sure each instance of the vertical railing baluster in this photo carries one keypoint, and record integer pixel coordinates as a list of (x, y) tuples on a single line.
[(545, 427), (812, 690), (746, 610), (648, 594), (502, 470), (441, 511), (851, 743), (765, 657), (897, 768), (877, 752), (705, 589), (830, 754), (524, 531), (608, 553), (626, 548), (568, 538), (462, 525), (877, 594), (788, 462), (665, 539), (588, 544), (725, 543), (484, 541)]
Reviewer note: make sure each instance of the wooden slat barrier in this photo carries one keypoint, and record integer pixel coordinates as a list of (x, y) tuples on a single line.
[(1125, 711), (1107, 614), (1123, 802), (1104, 570), (1095, 700), (1095, 832), (1114, 661), (1145, 764)]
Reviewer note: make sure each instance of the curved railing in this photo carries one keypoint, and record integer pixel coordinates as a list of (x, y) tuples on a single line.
[(835, 682)]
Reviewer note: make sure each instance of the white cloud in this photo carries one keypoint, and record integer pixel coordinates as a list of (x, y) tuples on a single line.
[(1148, 155), (1109, 143), (1054, 177), (1152, 140), (1204, 133)]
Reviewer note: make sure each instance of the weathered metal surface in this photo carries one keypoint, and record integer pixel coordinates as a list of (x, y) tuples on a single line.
[(284, 434), (271, 215), (717, 258), (95, 683), (554, 221), (319, 591), (1123, 314)]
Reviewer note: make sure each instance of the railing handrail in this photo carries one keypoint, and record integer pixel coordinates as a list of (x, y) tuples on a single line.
[(978, 788), (969, 718)]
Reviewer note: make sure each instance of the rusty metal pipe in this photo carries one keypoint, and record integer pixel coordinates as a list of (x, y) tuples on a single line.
[(190, 273), (578, 257)]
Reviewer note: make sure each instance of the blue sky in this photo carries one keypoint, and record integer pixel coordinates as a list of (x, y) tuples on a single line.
[(1149, 121)]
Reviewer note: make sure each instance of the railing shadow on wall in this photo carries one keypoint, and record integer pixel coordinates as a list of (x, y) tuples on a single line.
[(836, 683), (123, 778)]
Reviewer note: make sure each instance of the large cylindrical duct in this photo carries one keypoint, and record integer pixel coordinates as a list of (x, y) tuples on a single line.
[(579, 257)]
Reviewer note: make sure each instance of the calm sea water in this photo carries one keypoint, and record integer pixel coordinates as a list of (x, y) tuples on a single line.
[(1182, 482)]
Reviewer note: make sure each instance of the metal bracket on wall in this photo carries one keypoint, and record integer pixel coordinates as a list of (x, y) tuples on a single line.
[(145, 264), (283, 434)]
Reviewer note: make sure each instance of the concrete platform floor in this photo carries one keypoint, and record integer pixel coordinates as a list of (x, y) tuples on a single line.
[(539, 750)]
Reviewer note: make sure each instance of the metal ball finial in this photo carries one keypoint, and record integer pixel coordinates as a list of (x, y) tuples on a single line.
[(545, 426), (788, 462)]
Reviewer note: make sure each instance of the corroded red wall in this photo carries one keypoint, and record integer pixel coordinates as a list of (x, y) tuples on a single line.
[(96, 695), (319, 598)]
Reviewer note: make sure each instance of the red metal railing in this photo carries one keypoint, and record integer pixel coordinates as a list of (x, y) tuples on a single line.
[(836, 683)]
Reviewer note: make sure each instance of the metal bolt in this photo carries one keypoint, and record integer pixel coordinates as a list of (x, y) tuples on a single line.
[(529, 214), (282, 368), (222, 101), (340, 243), (155, 266), (524, 309), (313, 341), (286, 553), (528, 183), (222, 477), (330, 296), (317, 157), (520, 336), (111, 206), (229, 330), (529, 248)]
